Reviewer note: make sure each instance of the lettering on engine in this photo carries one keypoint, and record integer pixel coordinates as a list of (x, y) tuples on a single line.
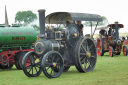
[(17, 33), (19, 38)]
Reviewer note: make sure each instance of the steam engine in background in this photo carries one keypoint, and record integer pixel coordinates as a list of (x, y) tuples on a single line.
[(15, 41)]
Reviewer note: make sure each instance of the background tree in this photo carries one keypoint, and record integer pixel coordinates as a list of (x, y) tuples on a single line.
[(25, 17), (103, 22), (36, 27)]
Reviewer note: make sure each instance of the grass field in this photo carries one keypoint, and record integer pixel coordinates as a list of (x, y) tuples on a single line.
[(108, 71)]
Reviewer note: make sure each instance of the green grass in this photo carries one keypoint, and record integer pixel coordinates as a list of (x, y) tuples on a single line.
[(108, 71)]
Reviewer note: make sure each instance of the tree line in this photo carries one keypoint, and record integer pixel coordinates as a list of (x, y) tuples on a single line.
[(24, 18)]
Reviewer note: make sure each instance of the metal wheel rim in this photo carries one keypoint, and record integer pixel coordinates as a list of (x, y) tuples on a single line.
[(84, 63), (99, 47), (47, 64), (31, 65), (124, 50)]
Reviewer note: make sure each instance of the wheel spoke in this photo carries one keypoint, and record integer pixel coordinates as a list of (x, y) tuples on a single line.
[(51, 72), (28, 67), (83, 60), (28, 62), (82, 54), (90, 47), (48, 64), (30, 70), (92, 56), (86, 45), (35, 69), (89, 63), (58, 59), (58, 64), (83, 48), (38, 66), (38, 63), (53, 56), (47, 68)]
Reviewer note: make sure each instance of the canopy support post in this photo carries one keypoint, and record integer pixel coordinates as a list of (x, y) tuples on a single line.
[(95, 29), (91, 28)]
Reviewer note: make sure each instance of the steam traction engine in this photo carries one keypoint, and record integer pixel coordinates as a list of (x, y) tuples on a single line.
[(59, 50), (110, 42)]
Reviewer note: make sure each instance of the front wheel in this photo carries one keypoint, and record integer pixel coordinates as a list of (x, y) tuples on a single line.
[(52, 64), (111, 51)]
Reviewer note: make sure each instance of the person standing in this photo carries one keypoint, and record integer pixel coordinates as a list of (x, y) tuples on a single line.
[(127, 37), (67, 23), (80, 26)]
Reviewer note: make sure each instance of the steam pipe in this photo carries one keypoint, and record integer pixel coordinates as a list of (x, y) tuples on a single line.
[(42, 22)]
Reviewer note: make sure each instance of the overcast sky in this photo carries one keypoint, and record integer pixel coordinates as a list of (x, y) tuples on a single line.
[(114, 10)]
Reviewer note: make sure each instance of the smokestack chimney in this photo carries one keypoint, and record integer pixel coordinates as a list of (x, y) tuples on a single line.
[(116, 29), (6, 18), (42, 22)]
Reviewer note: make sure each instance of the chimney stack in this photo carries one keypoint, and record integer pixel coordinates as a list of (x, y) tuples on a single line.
[(42, 22)]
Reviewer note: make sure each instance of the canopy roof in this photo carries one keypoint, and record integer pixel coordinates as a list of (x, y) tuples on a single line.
[(113, 26), (58, 17)]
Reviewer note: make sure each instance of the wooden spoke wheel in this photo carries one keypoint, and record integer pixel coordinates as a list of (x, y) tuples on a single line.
[(100, 46), (111, 51), (66, 68), (85, 55), (52, 64), (31, 64), (125, 50)]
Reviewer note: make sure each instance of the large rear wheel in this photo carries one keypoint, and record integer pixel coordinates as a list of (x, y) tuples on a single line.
[(85, 55), (100, 46)]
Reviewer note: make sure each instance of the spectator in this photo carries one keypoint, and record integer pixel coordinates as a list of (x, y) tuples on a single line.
[(123, 38), (127, 37)]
